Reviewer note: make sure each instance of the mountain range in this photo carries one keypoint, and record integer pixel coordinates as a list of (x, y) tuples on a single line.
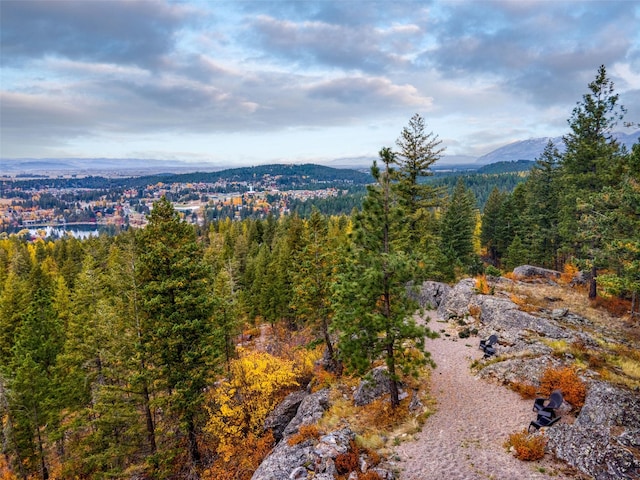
[(530, 149)]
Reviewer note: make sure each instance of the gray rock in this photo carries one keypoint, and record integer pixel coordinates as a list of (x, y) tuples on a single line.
[(283, 460), (502, 314), (282, 415), (594, 451), (309, 411), (610, 406), (529, 271), (603, 441), (430, 294), (456, 303), (373, 386), (293, 461), (517, 369)]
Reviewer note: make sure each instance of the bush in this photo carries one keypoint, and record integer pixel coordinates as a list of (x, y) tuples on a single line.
[(527, 446), (370, 475), (305, 432), (567, 381), (350, 461), (492, 271), (525, 390)]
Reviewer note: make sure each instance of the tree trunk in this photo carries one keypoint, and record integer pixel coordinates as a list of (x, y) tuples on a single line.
[(194, 452), (393, 383), (593, 291), (151, 432)]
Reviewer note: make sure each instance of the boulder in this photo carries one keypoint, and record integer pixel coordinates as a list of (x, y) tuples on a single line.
[(309, 459), (529, 271), (430, 294), (502, 314), (604, 441), (519, 369), (456, 302), (282, 415), (310, 411), (373, 386)]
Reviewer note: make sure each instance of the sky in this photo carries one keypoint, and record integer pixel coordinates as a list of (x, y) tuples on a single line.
[(250, 82)]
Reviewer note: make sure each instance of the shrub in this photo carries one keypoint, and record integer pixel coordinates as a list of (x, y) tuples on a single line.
[(482, 286), (567, 381), (245, 458), (350, 461), (525, 390), (493, 271), (370, 475), (570, 271), (305, 432), (475, 311), (527, 446)]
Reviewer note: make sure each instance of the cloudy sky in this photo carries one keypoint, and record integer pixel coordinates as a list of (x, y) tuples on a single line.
[(248, 82)]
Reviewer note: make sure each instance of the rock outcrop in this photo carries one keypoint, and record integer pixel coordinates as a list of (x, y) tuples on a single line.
[(430, 294), (604, 441), (282, 415), (529, 271), (373, 386), (311, 458)]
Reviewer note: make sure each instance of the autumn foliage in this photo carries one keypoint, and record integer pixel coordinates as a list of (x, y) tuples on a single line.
[(567, 381), (527, 446)]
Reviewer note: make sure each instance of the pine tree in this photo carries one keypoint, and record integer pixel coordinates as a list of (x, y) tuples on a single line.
[(458, 225), (491, 224), (417, 152), (542, 197), (313, 278), (592, 160), (373, 312), (177, 307)]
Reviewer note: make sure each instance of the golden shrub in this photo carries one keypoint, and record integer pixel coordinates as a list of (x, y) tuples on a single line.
[(245, 458), (566, 380), (569, 273), (527, 446), (482, 285)]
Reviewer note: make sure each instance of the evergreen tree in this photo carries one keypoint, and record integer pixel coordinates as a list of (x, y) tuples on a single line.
[(313, 278), (592, 160), (542, 197), (417, 152), (458, 225), (176, 316), (491, 224), (373, 312), (28, 373)]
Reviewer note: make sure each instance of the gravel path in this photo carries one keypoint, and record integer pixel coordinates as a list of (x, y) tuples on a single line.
[(464, 438)]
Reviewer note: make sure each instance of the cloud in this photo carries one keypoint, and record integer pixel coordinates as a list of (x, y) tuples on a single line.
[(127, 32), (315, 43)]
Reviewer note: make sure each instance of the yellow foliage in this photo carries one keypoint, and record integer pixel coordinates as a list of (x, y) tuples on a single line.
[(239, 405), (482, 286), (570, 271)]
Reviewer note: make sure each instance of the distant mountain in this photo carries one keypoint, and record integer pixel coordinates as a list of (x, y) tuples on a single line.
[(532, 149)]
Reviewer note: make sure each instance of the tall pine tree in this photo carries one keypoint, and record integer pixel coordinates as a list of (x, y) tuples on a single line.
[(373, 310)]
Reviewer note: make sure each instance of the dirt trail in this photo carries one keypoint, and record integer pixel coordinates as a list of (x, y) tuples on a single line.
[(464, 438)]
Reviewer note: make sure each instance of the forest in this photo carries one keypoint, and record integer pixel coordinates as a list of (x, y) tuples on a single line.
[(124, 356)]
